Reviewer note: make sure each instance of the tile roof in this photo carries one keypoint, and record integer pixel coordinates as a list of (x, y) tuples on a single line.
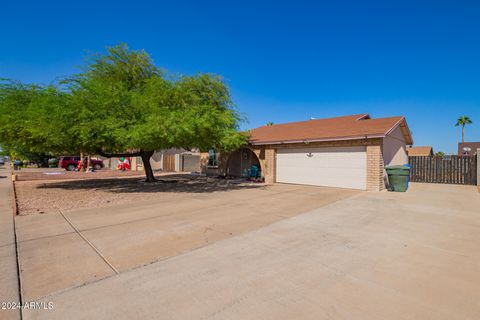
[(340, 128), (420, 151)]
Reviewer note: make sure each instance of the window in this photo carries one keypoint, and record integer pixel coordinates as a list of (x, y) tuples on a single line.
[(212, 158)]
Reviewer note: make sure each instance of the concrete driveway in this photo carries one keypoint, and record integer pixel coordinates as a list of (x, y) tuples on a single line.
[(64, 249), (369, 256)]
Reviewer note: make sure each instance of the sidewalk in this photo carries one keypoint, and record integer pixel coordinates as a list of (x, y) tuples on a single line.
[(8, 260)]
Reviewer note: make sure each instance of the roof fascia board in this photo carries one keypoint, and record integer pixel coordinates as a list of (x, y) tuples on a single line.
[(306, 141), (398, 123)]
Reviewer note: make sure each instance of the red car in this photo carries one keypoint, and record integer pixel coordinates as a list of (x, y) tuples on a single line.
[(71, 163)]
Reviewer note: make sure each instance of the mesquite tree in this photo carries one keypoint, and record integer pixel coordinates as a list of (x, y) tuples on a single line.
[(121, 104)]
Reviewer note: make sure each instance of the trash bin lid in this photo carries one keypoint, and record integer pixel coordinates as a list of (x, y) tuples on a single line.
[(402, 167), (398, 172)]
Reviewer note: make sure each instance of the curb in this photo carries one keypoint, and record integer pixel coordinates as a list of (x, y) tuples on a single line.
[(14, 198), (15, 213)]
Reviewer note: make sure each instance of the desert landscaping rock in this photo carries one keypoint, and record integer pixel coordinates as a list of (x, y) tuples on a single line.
[(45, 196)]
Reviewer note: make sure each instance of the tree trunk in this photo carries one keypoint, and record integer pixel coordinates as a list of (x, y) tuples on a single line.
[(463, 133), (146, 155), (89, 161), (82, 166)]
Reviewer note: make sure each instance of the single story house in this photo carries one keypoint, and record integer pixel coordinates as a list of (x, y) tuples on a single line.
[(422, 151), (176, 160), (344, 152), (468, 148), (169, 160)]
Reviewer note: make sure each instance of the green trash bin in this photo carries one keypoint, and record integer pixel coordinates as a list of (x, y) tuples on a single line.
[(398, 177)]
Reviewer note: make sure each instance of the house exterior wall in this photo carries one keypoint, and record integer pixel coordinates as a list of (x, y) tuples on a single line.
[(267, 156), (218, 170), (394, 148), (156, 161), (375, 166)]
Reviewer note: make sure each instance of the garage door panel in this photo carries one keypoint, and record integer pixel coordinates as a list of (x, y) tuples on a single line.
[(334, 167)]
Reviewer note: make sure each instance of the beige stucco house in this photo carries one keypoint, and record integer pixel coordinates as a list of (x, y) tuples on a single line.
[(168, 160), (344, 152)]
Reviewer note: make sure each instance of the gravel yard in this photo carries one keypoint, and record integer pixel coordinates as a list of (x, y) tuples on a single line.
[(28, 174), (37, 196)]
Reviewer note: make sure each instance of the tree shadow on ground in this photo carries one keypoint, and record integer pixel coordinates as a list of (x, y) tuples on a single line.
[(3, 177), (171, 183)]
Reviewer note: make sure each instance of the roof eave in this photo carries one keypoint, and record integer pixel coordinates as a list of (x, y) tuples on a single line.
[(405, 130), (307, 141)]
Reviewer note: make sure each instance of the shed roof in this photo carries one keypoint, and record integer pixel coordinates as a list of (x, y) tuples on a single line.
[(420, 151)]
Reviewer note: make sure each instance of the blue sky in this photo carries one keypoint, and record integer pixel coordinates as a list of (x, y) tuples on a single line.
[(283, 60)]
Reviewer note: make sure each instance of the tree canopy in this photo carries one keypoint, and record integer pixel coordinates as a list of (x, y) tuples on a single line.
[(120, 104)]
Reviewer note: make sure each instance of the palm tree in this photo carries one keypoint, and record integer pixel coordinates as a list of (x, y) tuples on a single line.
[(269, 123), (462, 121)]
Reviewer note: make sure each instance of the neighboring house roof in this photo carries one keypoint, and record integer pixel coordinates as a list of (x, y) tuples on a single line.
[(358, 126), (472, 145), (420, 151)]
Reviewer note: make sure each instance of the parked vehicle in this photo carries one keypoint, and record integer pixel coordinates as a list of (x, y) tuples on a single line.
[(71, 163), (2, 161)]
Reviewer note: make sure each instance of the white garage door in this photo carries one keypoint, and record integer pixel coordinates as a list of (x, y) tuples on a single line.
[(343, 167)]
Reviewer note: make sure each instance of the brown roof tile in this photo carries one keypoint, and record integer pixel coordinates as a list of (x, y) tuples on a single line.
[(339, 128)]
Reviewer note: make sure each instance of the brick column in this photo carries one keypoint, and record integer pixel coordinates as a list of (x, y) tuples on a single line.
[(375, 168), (269, 170), (203, 162)]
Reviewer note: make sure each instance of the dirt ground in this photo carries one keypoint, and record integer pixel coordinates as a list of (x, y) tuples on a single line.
[(29, 174), (36, 196)]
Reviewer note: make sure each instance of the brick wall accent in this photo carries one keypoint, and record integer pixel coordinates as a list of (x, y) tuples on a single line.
[(375, 168), (203, 162), (269, 166)]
